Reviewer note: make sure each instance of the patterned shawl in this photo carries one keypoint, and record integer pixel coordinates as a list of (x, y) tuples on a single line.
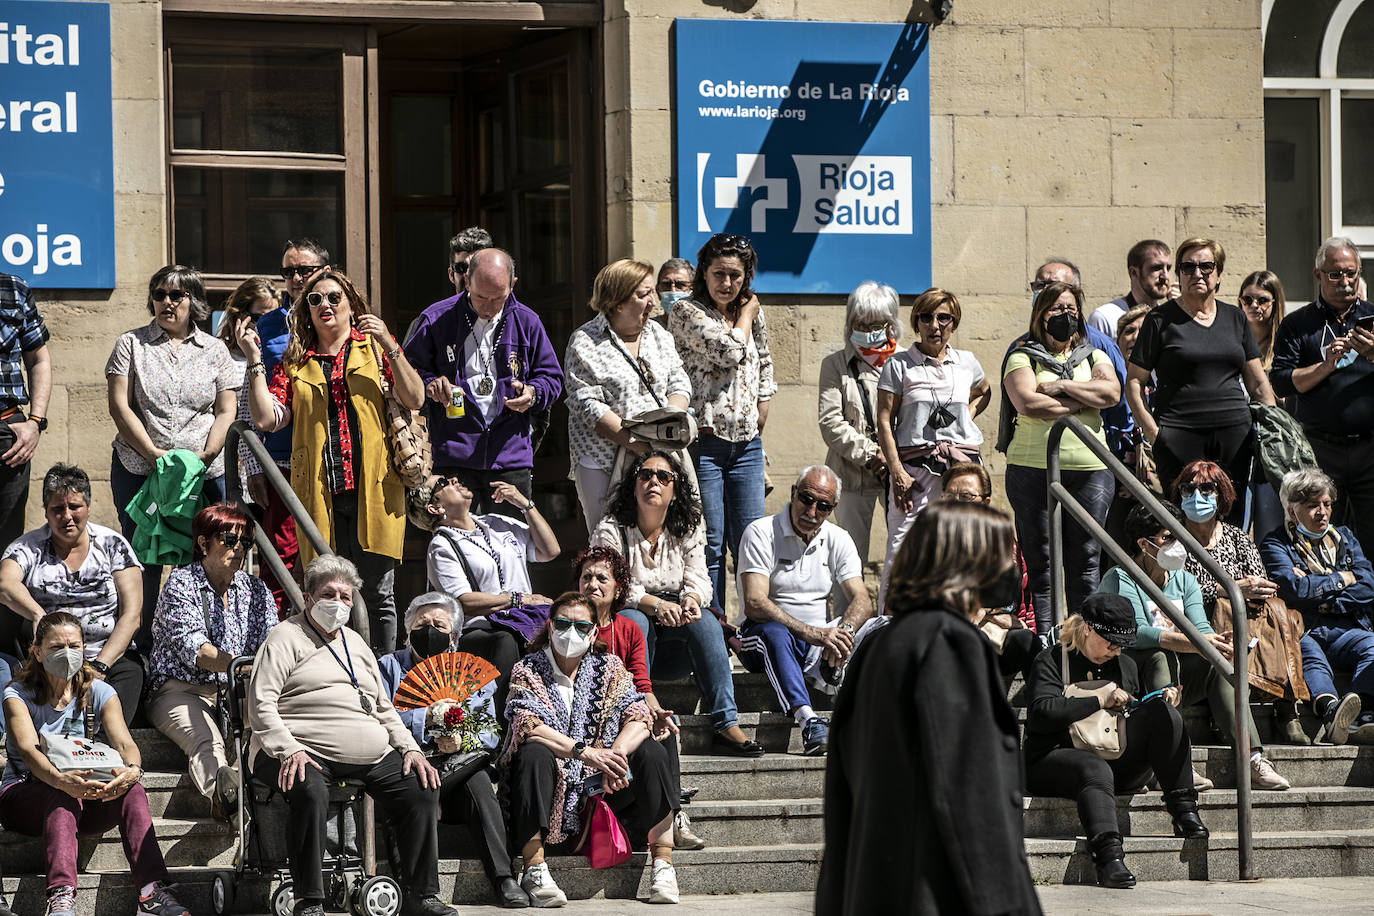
[(604, 701), (1320, 555)]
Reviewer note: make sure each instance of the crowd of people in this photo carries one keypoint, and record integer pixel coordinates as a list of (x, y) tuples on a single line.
[(1163, 378)]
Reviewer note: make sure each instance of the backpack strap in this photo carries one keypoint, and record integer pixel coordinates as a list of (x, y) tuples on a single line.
[(624, 542)]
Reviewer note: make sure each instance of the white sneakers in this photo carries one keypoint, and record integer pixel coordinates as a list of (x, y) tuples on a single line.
[(539, 884), (1264, 776), (663, 884)]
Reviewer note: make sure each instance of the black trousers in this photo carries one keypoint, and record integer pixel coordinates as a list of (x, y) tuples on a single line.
[(479, 481), (126, 678), (472, 802), (497, 645), (412, 810), (1155, 740), (14, 488), (1229, 446), (655, 790), (1351, 467), (1018, 654)]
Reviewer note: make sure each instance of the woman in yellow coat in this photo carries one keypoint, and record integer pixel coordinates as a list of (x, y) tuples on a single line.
[(328, 388)]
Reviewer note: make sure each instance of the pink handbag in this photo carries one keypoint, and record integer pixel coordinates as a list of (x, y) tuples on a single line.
[(604, 844)]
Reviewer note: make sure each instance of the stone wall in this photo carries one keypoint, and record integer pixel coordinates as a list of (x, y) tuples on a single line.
[(1058, 127)]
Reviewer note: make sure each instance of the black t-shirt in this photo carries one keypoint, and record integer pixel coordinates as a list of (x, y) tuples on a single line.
[(1198, 368)]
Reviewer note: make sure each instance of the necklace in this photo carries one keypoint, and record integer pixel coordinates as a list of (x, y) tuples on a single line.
[(490, 549), (487, 383)]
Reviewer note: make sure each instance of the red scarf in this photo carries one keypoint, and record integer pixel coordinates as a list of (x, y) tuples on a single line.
[(876, 356)]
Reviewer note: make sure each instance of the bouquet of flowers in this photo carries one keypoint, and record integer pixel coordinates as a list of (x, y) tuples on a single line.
[(458, 729)]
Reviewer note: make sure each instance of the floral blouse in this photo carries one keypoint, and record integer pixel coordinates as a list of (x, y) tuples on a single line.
[(730, 373), (189, 614), (677, 565), (599, 377), (1236, 553)]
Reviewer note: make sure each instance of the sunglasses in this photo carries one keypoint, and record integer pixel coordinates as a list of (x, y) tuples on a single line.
[(301, 273), (460, 267), (1197, 267), (1256, 301), (1039, 285), (1188, 489), (231, 540), (644, 368), (943, 319), (734, 241), (822, 506), (967, 497), (644, 475), (175, 295), (583, 627), (315, 300)]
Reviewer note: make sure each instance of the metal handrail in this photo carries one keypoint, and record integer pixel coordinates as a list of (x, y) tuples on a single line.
[(1061, 499)]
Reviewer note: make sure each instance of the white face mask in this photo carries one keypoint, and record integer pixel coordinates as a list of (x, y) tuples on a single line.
[(571, 644), (63, 663), (1171, 558), (330, 614)]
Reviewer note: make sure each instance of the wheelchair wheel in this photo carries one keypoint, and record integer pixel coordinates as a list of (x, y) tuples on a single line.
[(222, 893), (283, 901), (378, 896)]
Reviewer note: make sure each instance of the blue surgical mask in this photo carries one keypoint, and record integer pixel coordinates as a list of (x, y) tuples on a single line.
[(1314, 535), (670, 297), (868, 338), (1199, 506)]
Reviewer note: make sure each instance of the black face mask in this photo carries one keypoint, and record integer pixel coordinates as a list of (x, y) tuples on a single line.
[(1062, 326), (1004, 590), (429, 640)]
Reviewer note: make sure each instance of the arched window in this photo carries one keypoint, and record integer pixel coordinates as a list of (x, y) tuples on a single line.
[(1318, 132)]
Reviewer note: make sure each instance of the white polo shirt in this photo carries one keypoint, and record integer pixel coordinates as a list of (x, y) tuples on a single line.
[(800, 575)]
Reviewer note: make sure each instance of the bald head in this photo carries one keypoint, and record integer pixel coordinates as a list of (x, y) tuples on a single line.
[(491, 276)]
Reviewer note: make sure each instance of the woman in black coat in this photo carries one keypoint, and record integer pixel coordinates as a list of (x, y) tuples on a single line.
[(1155, 737), (923, 788)]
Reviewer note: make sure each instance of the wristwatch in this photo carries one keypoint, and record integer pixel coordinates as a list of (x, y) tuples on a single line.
[(41, 421), (847, 627), (578, 748), (98, 665)]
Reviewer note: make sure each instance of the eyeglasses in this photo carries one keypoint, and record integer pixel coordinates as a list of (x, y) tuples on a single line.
[(1335, 276), (231, 540), (822, 506), (681, 286), (583, 627), (459, 267), (1164, 538), (967, 497), (315, 300), (1039, 285), (175, 295), (304, 272), (644, 475), (1061, 310), (1197, 267), (1206, 488), (1257, 301), (943, 319)]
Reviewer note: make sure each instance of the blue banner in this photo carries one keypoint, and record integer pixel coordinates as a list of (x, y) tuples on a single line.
[(812, 139), (56, 160)]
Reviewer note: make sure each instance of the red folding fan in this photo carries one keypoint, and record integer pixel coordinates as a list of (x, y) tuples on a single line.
[(447, 676)]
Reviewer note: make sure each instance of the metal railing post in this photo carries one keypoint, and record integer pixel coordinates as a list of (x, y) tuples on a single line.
[(1236, 671)]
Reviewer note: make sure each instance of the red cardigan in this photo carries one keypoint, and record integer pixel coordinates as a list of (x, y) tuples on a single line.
[(625, 639)]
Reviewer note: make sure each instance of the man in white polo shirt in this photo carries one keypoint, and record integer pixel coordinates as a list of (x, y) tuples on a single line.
[(788, 566)]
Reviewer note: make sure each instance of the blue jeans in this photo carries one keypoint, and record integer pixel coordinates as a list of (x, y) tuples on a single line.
[(1028, 493), (697, 649), (730, 476), (124, 485), (1266, 512), (1347, 648)]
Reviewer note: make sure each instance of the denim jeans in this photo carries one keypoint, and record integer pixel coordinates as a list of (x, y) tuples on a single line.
[(1348, 648), (730, 476), (124, 486), (697, 649), (1027, 491)]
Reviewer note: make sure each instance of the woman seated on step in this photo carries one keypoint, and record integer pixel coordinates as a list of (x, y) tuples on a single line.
[(654, 519), (1156, 740), (52, 694), (466, 795), (209, 612), (1164, 655), (578, 727), (480, 560), (1205, 494)]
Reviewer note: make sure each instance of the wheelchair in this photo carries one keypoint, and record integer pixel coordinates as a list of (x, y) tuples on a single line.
[(351, 882)]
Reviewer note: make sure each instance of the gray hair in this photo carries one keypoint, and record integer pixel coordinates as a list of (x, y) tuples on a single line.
[(871, 301), (823, 471), (676, 264), (66, 478), (473, 238), (331, 567), (435, 599), (1073, 268), (496, 255), (186, 279), (1304, 484), (1334, 244)]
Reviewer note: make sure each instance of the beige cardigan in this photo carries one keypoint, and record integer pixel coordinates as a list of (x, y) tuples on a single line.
[(841, 413)]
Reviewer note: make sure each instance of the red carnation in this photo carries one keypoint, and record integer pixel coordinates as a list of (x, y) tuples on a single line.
[(453, 716)]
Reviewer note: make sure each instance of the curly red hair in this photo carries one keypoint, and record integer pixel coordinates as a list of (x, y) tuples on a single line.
[(620, 570)]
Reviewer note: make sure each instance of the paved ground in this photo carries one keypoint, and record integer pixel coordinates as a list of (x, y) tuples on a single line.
[(1161, 898)]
